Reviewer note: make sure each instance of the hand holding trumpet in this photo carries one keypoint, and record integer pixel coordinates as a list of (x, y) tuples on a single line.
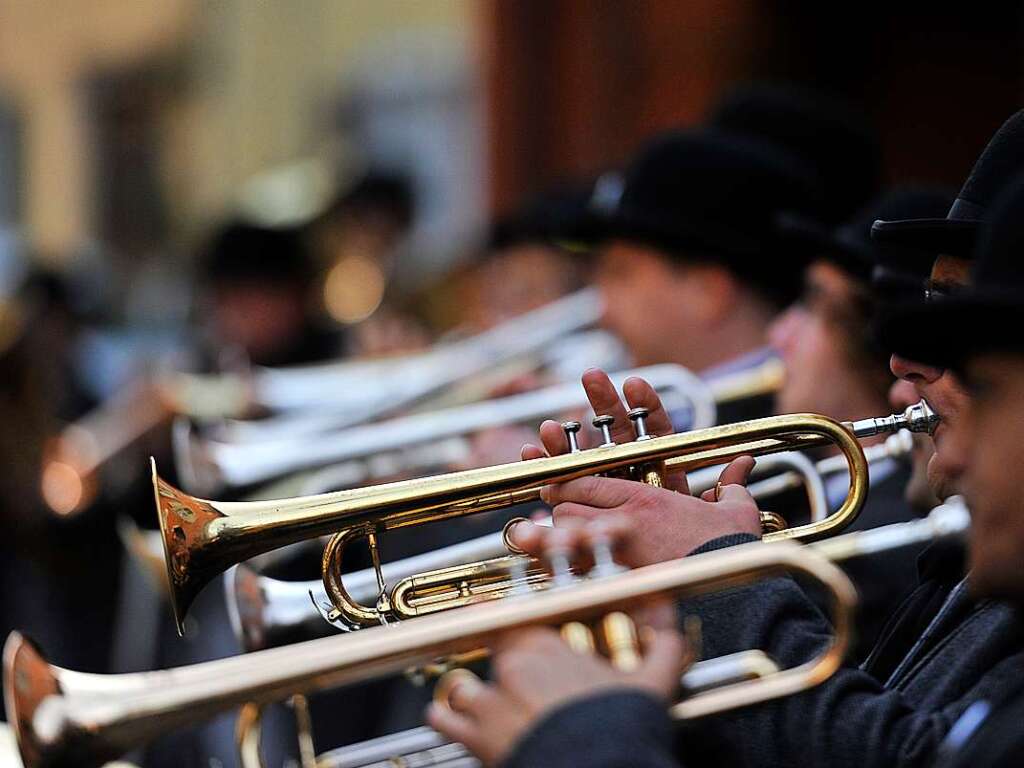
[(537, 671), (666, 522)]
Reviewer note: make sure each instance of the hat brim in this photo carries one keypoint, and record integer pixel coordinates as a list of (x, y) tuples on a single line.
[(948, 332), (706, 238), (953, 237)]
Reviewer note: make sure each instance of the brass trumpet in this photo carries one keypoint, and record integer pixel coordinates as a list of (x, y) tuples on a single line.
[(65, 718), (423, 746), (267, 612), (203, 538)]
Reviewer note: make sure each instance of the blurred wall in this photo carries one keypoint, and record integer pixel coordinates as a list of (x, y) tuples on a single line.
[(204, 94), (46, 48), (266, 74), (574, 85)]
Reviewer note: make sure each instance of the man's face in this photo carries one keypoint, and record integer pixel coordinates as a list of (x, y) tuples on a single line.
[(991, 441), (650, 303), (260, 319), (943, 391), (811, 338)]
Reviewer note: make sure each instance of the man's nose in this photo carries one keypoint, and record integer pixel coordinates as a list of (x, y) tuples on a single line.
[(913, 371)]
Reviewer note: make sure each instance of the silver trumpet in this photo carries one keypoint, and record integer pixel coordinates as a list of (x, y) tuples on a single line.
[(267, 612), (359, 390), (207, 465)]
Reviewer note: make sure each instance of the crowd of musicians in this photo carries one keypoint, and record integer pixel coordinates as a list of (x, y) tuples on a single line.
[(763, 234)]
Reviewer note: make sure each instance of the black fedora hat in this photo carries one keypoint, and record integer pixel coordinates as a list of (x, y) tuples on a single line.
[(829, 134), (957, 233), (552, 217), (988, 315), (852, 249), (702, 196)]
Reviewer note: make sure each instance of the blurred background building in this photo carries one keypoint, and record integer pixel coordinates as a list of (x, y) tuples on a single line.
[(126, 128)]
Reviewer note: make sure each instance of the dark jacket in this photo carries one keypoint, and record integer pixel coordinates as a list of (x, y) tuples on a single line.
[(990, 734), (885, 579), (618, 729), (942, 652)]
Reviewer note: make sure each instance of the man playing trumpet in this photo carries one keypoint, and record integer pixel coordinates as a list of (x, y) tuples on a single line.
[(948, 647)]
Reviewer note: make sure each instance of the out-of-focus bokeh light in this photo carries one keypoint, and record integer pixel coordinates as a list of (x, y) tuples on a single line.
[(62, 488), (354, 289)]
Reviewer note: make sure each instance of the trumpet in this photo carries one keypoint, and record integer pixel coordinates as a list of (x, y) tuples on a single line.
[(70, 718), (341, 388), (209, 465), (63, 717), (424, 746), (267, 612), (203, 538), (337, 391)]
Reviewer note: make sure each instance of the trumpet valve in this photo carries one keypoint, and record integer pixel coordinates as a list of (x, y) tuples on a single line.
[(571, 429), (621, 639), (604, 423), (639, 418), (604, 560), (578, 637), (557, 554)]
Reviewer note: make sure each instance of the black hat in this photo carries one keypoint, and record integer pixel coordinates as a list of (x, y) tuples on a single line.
[(708, 197), (957, 233), (240, 252), (988, 315), (378, 190), (852, 248), (830, 135), (552, 217)]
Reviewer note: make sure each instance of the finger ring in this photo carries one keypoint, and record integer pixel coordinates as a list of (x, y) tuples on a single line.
[(450, 682), (507, 531), (718, 491)]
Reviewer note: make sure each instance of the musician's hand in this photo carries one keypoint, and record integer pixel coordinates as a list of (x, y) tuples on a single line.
[(534, 673), (648, 524), (605, 401)]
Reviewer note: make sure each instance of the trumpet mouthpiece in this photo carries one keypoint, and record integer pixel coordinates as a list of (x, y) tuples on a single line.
[(917, 418)]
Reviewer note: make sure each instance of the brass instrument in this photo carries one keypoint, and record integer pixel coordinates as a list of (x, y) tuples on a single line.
[(423, 746), (65, 718), (209, 465), (267, 612), (203, 538), (337, 393), (71, 718)]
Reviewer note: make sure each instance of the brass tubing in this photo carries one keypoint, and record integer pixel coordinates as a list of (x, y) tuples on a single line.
[(203, 538), (70, 718)]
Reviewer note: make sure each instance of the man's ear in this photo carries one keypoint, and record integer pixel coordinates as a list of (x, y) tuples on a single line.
[(713, 293)]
